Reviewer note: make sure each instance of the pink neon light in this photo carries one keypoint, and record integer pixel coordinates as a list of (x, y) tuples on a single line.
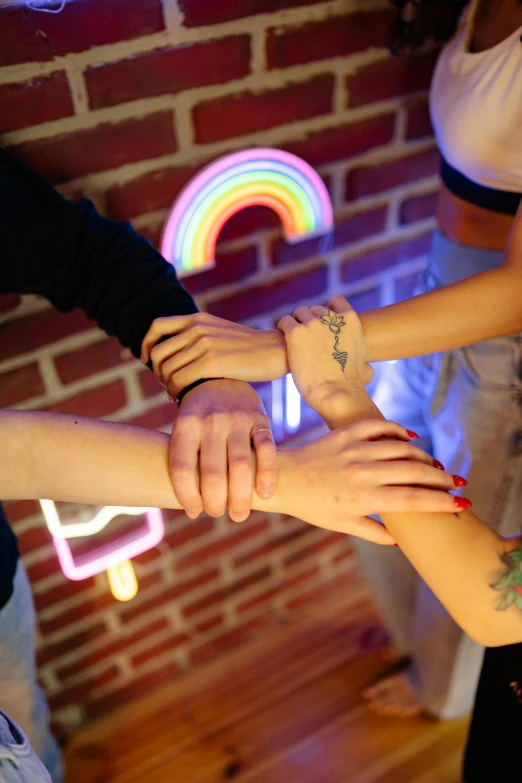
[(112, 554)]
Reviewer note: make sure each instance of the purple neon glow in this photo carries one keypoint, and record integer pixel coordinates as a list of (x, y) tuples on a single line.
[(112, 554)]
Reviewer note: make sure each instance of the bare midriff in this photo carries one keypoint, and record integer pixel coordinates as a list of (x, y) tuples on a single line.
[(468, 224)]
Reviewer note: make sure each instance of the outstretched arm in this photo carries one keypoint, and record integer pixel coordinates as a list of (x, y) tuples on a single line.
[(77, 258), (70, 458), (478, 308), (474, 572)]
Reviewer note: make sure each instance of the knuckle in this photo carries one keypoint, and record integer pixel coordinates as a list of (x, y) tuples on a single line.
[(416, 470), (241, 462), (180, 470), (413, 495)]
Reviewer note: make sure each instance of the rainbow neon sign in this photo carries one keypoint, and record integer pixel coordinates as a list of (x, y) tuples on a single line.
[(114, 557), (266, 177)]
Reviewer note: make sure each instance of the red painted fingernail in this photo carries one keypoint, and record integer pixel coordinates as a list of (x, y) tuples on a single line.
[(462, 502), (459, 481), (412, 434), (397, 545), (437, 464)]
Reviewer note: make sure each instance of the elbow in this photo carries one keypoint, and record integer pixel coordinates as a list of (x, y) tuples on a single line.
[(491, 635)]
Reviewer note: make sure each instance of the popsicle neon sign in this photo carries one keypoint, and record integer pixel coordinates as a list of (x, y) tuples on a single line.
[(112, 557)]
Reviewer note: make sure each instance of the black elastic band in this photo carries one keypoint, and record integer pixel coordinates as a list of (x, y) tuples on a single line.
[(504, 201), (191, 386)]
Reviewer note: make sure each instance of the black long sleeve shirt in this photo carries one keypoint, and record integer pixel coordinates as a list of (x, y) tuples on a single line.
[(75, 258)]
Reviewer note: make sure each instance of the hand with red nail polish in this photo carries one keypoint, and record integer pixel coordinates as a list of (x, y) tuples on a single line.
[(459, 481), (438, 465), (462, 503)]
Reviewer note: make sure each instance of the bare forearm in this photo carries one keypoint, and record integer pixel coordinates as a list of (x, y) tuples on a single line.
[(478, 308), (74, 459), (457, 555)]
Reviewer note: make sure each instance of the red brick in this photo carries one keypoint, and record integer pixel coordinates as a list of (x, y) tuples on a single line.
[(182, 535), (207, 625), (344, 141), (418, 121), (43, 569), (312, 549), (272, 545), (233, 638), (169, 71), (408, 286), (35, 331), (390, 78), (149, 385), (201, 12), (248, 221), (99, 705), (152, 234), (83, 691), (230, 267), (352, 229), (367, 180), (216, 548), (225, 592), (9, 302), (63, 591), (265, 298), (20, 509), (384, 258), (33, 539), (82, 362), (50, 652), (337, 36), (117, 643), (158, 649), (94, 402), (155, 418), (177, 590), (418, 208), (267, 596), (19, 385), (224, 118), (321, 592), (75, 613), (152, 191), (27, 35), (30, 103), (107, 146)]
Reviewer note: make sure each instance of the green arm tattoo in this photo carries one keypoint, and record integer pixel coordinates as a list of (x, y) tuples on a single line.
[(510, 582)]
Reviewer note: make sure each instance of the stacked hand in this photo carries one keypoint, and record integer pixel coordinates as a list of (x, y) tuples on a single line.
[(366, 467)]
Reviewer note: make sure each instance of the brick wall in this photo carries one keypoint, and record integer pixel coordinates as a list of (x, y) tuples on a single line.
[(123, 101)]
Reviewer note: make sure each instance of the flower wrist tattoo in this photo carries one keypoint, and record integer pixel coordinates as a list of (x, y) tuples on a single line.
[(335, 323)]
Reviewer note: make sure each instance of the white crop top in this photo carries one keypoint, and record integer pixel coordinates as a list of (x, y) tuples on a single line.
[(476, 107)]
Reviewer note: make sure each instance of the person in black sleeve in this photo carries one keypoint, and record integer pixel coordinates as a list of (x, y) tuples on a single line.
[(77, 259)]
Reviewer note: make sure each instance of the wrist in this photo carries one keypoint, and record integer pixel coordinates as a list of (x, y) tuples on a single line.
[(277, 346), (340, 411)]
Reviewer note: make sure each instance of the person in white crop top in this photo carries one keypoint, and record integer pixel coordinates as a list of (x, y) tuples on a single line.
[(466, 401)]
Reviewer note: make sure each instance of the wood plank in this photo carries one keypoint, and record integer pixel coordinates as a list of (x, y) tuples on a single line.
[(285, 708)]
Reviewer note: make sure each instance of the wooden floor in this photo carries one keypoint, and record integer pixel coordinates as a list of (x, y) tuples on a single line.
[(285, 709)]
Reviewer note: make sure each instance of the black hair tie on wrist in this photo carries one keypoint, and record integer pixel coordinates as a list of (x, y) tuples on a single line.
[(191, 386)]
